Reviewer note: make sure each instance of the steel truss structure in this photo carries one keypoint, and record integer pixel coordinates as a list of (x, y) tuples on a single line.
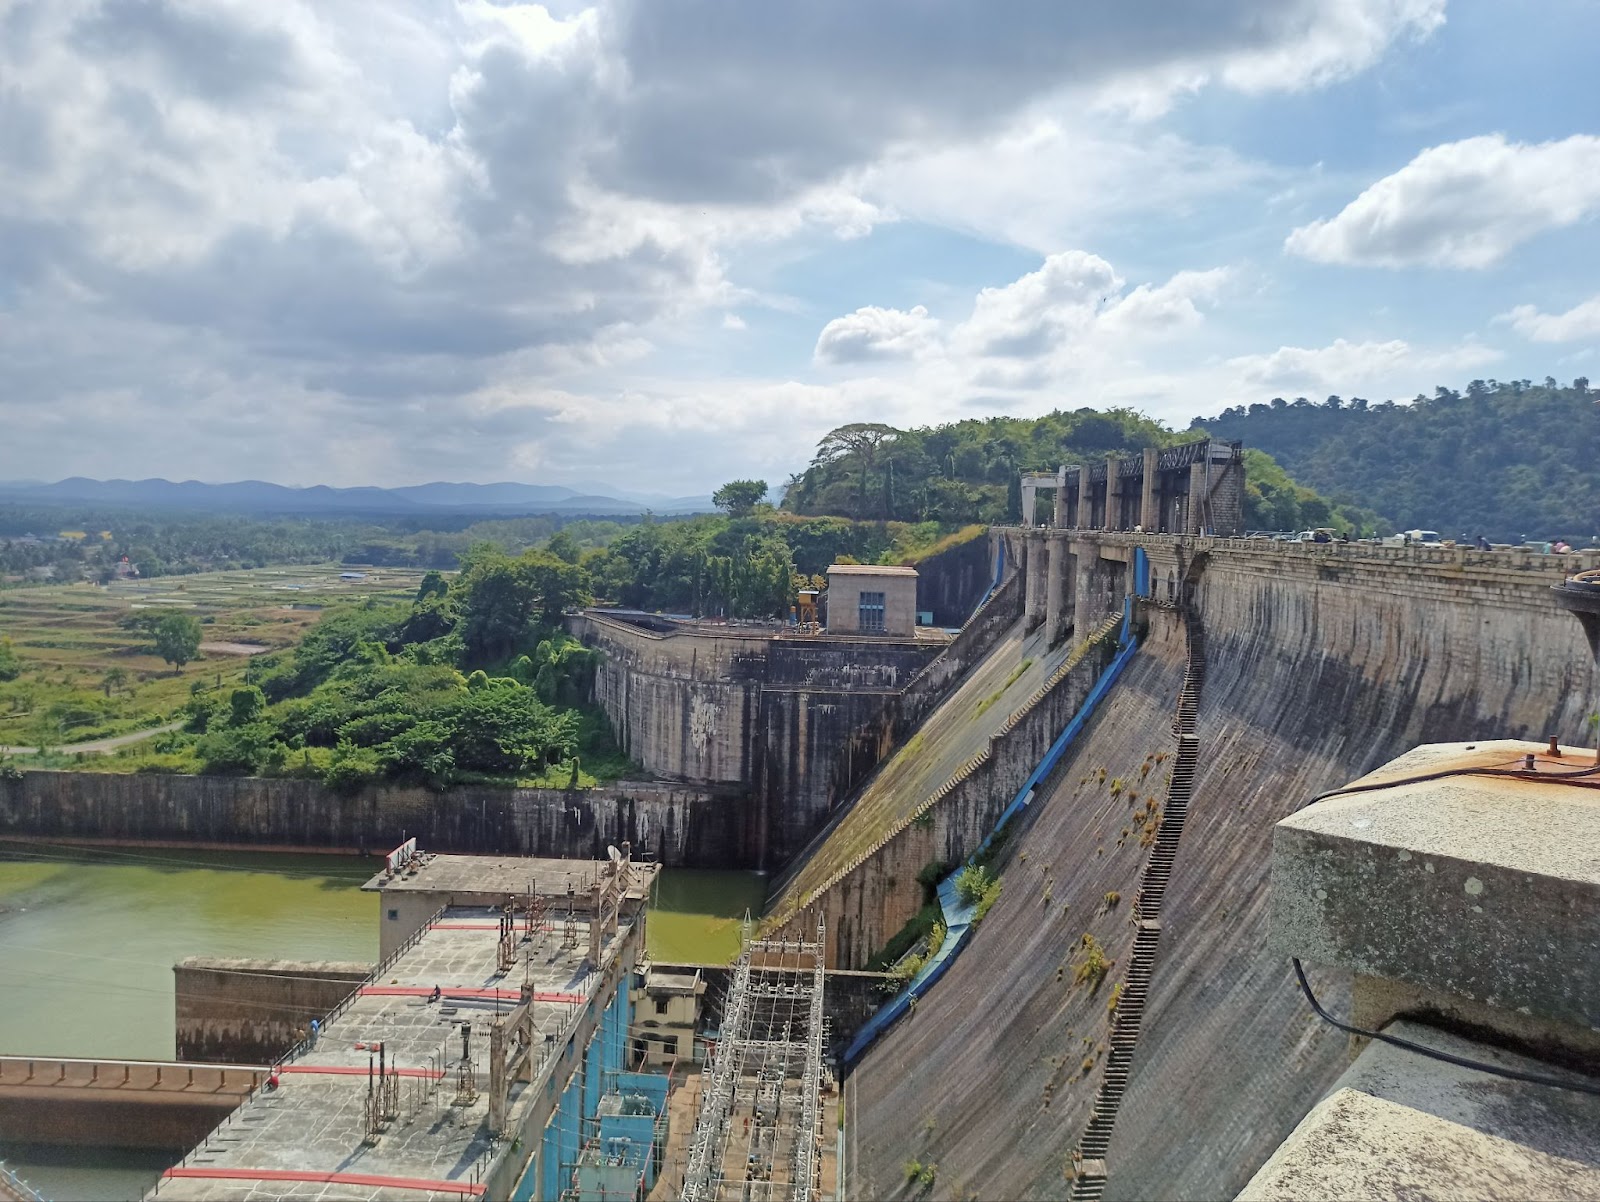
[(758, 1137)]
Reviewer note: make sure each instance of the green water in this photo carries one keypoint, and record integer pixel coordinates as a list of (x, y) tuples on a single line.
[(88, 940), (695, 915)]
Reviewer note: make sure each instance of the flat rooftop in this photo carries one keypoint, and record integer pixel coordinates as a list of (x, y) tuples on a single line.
[(308, 1139), (869, 569), (500, 876), (1400, 1125)]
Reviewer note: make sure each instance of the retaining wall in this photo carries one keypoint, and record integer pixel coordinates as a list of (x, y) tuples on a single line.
[(879, 892), (238, 1011), (679, 825)]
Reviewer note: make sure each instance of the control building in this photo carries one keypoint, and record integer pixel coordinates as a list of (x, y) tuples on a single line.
[(872, 599)]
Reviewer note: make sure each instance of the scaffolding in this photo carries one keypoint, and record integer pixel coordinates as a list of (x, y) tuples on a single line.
[(759, 1135)]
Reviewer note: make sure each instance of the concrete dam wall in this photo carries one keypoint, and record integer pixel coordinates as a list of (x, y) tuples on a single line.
[(796, 722), (1315, 666), (679, 825)]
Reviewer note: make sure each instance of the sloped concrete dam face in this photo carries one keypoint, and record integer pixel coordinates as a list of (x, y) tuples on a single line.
[(1316, 670)]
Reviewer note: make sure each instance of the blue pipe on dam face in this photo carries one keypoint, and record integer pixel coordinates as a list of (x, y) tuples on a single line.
[(958, 914)]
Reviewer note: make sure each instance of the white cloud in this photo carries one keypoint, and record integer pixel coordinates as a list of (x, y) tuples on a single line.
[(318, 238), (1351, 367), (732, 321), (873, 333), (1579, 322), (1462, 204)]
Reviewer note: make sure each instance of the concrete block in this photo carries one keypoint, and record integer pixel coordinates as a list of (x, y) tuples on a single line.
[(1484, 887)]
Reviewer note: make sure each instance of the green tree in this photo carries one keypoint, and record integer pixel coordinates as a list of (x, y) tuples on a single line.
[(10, 662), (433, 587), (740, 497), (246, 705), (564, 547), (115, 678), (177, 639)]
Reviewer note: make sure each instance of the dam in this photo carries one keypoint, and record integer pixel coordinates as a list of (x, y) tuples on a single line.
[(1123, 735), (1120, 1023)]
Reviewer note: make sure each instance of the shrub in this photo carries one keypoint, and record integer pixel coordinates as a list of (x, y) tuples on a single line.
[(972, 883), (1092, 969)]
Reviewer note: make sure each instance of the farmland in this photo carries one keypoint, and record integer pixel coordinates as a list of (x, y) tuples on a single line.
[(84, 677)]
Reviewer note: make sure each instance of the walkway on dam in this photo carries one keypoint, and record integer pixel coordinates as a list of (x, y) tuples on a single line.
[(957, 731)]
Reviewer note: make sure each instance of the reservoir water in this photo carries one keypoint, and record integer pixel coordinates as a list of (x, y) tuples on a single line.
[(88, 939)]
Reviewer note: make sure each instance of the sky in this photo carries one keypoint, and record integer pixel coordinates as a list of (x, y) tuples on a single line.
[(665, 243)]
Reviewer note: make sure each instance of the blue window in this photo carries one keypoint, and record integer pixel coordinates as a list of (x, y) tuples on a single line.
[(869, 612)]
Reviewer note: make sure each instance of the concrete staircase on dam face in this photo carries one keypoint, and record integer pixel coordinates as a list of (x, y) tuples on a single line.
[(1093, 1149), (959, 730), (987, 1076)]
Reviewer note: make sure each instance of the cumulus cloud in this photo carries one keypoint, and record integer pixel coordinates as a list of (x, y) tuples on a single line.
[(309, 240), (1579, 322), (1347, 367), (874, 333), (1042, 326), (1462, 204)]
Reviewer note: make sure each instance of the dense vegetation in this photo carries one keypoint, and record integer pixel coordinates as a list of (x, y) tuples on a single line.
[(474, 680), (968, 471), (1508, 459)]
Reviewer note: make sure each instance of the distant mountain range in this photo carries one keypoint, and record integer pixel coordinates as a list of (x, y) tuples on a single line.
[(256, 496)]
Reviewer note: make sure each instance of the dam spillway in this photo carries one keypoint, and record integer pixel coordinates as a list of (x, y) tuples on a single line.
[(1320, 665)]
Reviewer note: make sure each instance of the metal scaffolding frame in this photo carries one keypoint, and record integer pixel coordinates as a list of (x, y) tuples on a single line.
[(758, 1136)]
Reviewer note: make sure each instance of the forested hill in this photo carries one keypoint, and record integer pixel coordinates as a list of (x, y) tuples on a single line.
[(1508, 459), (968, 471)]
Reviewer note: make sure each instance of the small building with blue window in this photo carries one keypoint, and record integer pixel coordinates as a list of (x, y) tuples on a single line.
[(872, 599)]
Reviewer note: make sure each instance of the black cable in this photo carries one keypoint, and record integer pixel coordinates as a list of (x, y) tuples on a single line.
[(1443, 773), (1434, 1053)]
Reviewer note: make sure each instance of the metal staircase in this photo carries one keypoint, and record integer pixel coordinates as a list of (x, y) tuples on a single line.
[(1089, 1161)]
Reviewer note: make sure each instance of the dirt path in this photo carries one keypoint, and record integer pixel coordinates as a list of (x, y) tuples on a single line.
[(98, 746)]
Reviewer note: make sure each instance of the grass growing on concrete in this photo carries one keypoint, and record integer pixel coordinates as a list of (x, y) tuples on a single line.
[(1092, 968), (1016, 674)]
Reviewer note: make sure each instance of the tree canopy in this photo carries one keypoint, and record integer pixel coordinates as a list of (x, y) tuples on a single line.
[(738, 498), (1508, 459), (969, 471)]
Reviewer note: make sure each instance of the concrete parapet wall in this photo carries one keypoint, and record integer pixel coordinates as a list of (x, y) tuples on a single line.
[(679, 825), (252, 1011)]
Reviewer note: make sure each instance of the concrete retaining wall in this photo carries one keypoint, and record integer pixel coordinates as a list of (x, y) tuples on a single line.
[(677, 824), (235, 1011), (796, 722), (951, 583)]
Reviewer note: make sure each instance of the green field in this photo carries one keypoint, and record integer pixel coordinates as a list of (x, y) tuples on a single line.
[(68, 639)]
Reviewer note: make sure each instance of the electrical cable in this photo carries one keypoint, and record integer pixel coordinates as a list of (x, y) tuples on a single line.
[(1555, 778), (1588, 1087)]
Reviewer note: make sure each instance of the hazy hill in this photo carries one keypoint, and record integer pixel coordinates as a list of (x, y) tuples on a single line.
[(256, 496)]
